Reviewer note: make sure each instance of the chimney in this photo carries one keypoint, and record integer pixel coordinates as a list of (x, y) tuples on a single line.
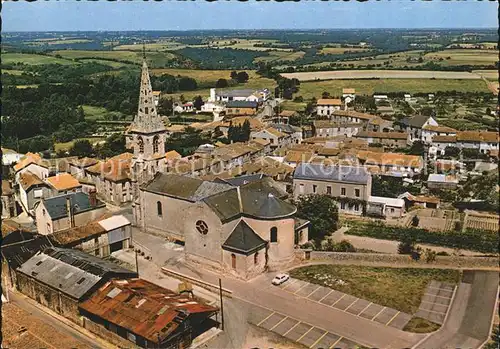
[(93, 198), (69, 211)]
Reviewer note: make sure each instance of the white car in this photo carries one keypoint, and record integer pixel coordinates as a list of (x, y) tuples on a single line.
[(280, 278)]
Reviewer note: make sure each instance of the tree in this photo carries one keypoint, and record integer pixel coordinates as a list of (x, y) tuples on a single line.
[(221, 83), (242, 77), (321, 211), (165, 106), (406, 245), (415, 221), (417, 148), (234, 75), (453, 152), (198, 102), (494, 343), (82, 148), (325, 94), (114, 145), (187, 84), (488, 111), (245, 131), (430, 255)]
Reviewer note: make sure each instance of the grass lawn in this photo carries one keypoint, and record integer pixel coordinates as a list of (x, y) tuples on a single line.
[(398, 288), (32, 59), (463, 57), (341, 50), (100, 113), (368, 87), (153, 58), (295, 106), (67, 145), (112, 64), (419, 325)]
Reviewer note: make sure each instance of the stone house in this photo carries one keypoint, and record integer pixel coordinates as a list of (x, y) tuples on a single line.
[(112, 179), (442, 181), (350, 185), (483, 141), (348, 95), (328, 128), (391, 164), (78, 276), (414, 126), (351, 117), (388, 139), (326, 106), (441, 142), (122, 307), (241, 107), (31, 189), (276, 138), (77, 167), (386, 207), (242, 230), (293, 131), (8, 200), (67, 211), (63, 183)]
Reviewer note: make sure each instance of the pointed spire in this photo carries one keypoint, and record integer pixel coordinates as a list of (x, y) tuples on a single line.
[(147, 119)]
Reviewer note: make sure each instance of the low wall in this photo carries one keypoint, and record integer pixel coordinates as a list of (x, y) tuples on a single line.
[(208, 286), (455, 262), (107, 335)]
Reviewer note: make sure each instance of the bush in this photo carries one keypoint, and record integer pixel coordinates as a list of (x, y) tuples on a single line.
[(415, 221)]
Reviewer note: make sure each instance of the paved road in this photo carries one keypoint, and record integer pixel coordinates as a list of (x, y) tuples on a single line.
[(469, 320), (23, 303)]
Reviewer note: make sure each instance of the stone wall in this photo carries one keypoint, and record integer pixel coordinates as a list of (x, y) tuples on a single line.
[(455, 262), (104, 333)]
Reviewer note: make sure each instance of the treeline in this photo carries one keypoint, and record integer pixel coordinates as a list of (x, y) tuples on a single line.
[(213, 58)]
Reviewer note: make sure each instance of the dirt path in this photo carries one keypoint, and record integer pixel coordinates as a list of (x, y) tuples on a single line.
[(492, 85)]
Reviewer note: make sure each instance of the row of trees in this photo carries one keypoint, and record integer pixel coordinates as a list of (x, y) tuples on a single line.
[(239, 133)]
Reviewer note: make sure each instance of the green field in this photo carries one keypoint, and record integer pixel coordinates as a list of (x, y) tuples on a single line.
[(295, 106), (276, 56), (112, 64), (12, 71), (154, 59), (100, 113), (398, 288), (32, 59), (368, 87), (67, 145), (463, 57)]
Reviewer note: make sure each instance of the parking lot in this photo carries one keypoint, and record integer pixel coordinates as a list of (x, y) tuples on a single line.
[(435, 302), (347, 303), (297, 331)]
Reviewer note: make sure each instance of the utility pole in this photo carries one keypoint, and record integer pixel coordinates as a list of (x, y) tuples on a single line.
[(221, 304), (136, 263)]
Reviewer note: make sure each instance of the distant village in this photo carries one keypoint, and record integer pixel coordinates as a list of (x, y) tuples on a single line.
[(232, 206)]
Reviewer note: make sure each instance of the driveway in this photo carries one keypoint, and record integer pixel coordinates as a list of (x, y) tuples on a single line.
[(469, 321)]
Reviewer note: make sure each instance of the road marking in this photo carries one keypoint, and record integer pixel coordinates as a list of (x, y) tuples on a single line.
[(365, 308), (338, 340), (290, 284), (291, 328), (387, 324), (309, 295), (309, 330), (301, 287), (373, 318), (357, 299), (319, 339), (338, 300), (260, 323), (325, 296), (279, 322)]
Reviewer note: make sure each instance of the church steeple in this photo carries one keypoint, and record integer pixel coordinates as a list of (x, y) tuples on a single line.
[(147, 119)]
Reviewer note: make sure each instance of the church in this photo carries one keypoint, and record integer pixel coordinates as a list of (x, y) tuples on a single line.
[(242, 226)]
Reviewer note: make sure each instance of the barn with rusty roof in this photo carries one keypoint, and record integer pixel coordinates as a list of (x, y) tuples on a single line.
[(146, 314)]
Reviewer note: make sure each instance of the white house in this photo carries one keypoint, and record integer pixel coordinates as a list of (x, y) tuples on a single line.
[(249, 95), (380, 98), (386, 207), (326, 106), (187, 107), (348, 95), (414, 126), (10, 157)]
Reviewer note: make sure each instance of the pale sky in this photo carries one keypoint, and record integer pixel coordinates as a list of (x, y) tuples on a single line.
[(184, 15)]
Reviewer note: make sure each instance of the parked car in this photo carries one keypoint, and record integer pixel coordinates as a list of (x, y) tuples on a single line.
[(280, 278)]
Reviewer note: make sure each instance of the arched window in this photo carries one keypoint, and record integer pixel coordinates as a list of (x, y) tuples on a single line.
[(146, 110), (233, 260), (140, 142), (274, 234), (256, 258), (156, 144), (159, 209)]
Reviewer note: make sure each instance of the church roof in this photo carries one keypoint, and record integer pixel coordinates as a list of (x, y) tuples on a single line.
[(243, 239)]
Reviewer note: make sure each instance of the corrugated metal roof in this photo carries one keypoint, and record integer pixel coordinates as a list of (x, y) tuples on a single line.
[(68, 279), (143, 308), (114, 222)]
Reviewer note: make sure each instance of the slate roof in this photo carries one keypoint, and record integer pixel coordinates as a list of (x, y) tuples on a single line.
[(241, 180), (243, 239), (236, 93), (415, 121), (56, 206), (184, 187), (242, 104), (26, 247), (332, 173), (286, 128)]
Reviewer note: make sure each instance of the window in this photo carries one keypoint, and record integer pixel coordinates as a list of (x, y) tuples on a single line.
[(342, 205), (356, 207), (274, 234), (392, 210), (48, 227), (301, 188), (314, 188), (146, 110), (43, 212), (256, 258), (159, 209), (342, 191), (38, 193), (140, 142), (356, 191), (156, 144), (202, 227), (329, 190), (233, 260), (131, 337)]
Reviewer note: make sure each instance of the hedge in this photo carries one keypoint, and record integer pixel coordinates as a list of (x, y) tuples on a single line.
[(476, 240)]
